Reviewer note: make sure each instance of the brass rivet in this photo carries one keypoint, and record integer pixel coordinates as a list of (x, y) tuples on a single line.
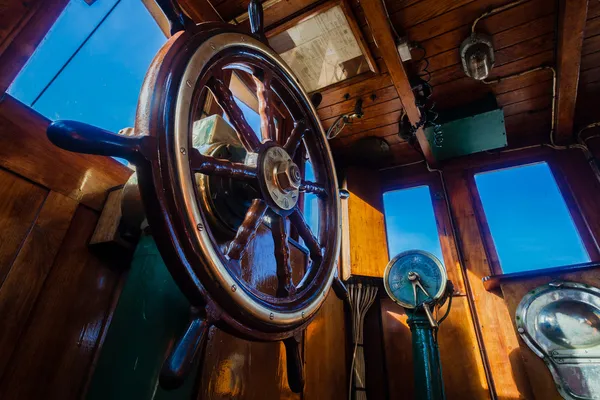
[(182, 150), (233, 288), (271, 316)]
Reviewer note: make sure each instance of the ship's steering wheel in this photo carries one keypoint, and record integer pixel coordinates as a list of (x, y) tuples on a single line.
[(192, 65)]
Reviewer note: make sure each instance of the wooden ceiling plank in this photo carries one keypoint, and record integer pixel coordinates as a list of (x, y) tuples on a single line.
[(381, 96), (365, 86), (528, 106), (456, 18), (592, 27), (424, 11), (504, 57), (590, 61), (387, 132), (382, 33), (572, 18), (524, 93), (594, 9), (200, 10), (370, 112), (589, 76), (499, 25), (591, 45), (371, 123)]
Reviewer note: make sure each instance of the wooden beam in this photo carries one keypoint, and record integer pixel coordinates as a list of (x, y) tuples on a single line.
[(382, 33), (572, 18)]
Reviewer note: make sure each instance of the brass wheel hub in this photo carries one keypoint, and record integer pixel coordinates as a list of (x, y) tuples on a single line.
[(281, 177)]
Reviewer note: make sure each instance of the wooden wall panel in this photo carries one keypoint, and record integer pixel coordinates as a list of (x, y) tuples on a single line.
[(588, 92), (500, 341), (20, 202), (542, 384), (366, 223), (32, 265), (239, 369), (326, 365), (464, 377), (54, 352), (25, 150)]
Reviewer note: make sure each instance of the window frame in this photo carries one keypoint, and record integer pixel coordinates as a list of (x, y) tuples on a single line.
[(565, 190), (441, 213)]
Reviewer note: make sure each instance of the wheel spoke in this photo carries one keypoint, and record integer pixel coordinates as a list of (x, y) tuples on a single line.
[(214, 166), (265, 107), (313, 187), (247, 229), (282, 256), (227, 102), (297, 219), (293, 142)]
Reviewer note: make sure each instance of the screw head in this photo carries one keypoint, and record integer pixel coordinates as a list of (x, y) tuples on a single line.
[(233, 288), (182, 150), (521, 330), (271, 316)]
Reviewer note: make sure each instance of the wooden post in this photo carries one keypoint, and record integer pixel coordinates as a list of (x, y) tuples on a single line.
[(382, 33), (572, 20)]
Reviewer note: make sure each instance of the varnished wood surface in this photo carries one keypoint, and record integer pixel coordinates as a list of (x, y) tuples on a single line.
[(32, 265), (58, 339), (542, 384), (589, 78), (239, 369), (462, 366), (25, 150), (325, 353), (382, 33), (492, 315), (572, 20), (523, 38), (585, 189), (366, 224), (20, 203)]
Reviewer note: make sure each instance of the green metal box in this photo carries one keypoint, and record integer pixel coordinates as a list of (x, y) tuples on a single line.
[(473, 134)]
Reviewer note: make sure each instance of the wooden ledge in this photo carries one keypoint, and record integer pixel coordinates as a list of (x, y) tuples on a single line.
[(492, 282)]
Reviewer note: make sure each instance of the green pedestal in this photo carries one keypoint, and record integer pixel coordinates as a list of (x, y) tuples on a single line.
[(151, 314), (429, 383)]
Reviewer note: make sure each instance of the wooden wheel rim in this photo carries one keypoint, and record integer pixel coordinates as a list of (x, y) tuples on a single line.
[(199, 252)]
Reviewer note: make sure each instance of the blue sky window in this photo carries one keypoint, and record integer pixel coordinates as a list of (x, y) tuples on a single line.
[(528, 219), (91, 64), (410, 221)]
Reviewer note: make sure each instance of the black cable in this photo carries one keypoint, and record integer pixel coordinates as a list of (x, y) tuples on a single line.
[(429, 116)]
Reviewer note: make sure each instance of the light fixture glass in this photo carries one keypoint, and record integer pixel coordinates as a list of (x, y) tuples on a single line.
[(477, 55)]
